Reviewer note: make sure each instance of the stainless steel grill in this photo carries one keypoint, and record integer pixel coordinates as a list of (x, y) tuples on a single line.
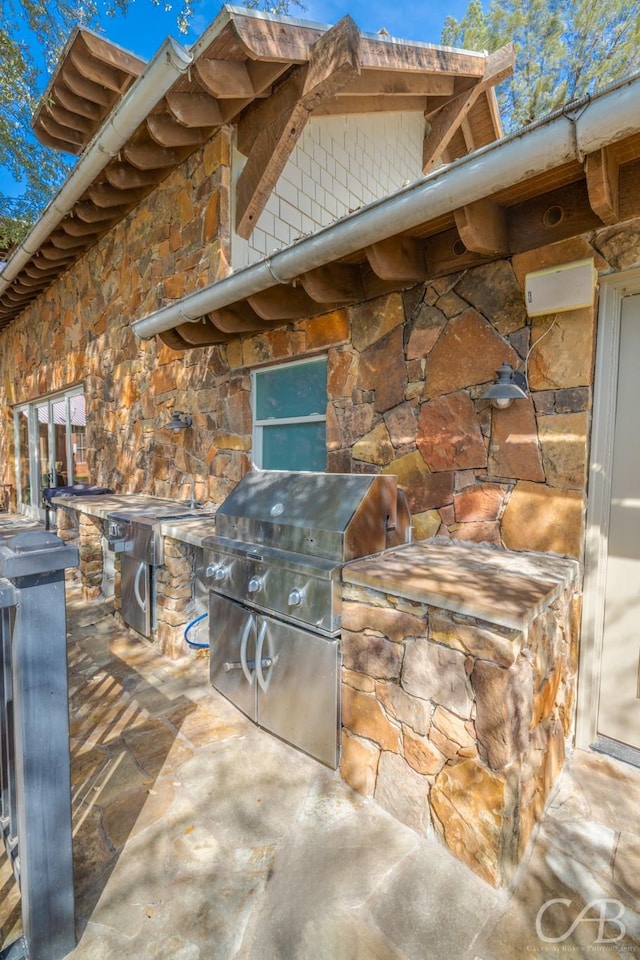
[(134, 533), (274, 574)]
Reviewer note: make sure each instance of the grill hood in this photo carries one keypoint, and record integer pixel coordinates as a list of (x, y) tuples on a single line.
[(334, 516)]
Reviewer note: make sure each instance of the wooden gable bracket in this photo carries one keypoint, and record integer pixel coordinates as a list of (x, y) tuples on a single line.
[(483, 227), (272, 127), (334, 283), (400, 259), (239, 318), (444, 122), (286, 303), (603, 176)]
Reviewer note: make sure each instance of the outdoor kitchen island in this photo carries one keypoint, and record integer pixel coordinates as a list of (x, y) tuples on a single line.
[(458, 688)]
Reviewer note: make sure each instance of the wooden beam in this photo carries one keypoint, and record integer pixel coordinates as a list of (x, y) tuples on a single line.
[(88, 212), (105, 195), (66, 242), (80, 228), (240, 318), (557, 215), (125, 177), (73, 138), (334, 62), (79, 105), (68, 118), (483, 227), (446, 253), (111, 54), (341, 106), (54, 142), (151, 156), (384, 83), (283, 303), (225, 78), (194, 109), (381, 54), (444, 123), (96, 71), (86, 88), (164, 130), (398, 259), (334, 283), (603, 179), (201, 333), (55, 254)]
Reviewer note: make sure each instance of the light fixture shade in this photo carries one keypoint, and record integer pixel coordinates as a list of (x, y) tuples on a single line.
[(179, 421), (510, 385)]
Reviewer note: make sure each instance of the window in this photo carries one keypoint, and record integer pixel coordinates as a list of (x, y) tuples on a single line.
[(290, 416), (50, 446)]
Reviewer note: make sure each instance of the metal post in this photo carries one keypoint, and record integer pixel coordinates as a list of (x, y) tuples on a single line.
[(34, 562)]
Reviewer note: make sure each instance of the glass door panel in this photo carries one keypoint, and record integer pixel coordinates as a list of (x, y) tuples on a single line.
[(43, 450), (60, 452), (79, 439), (22, 454)]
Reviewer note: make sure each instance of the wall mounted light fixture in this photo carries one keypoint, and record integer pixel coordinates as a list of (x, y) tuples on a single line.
[(511, 385), (179, 421)]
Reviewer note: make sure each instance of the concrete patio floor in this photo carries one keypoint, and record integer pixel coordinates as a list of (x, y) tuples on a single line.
[(198, 836)]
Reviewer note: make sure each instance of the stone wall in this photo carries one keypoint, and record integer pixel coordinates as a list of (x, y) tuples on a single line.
[(405, 375), (455, 725)]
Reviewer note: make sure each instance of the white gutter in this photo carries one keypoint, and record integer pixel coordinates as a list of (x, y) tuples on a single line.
[(170, 62), (558, 139)]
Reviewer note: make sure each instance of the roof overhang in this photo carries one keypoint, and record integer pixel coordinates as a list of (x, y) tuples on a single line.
[(571, 173), (131, 130)]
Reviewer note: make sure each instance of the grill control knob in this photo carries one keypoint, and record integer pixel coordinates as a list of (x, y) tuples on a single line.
[(216, 571), (296, 597), (255, 584)]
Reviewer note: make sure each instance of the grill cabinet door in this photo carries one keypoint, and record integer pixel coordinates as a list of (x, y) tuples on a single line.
[(135, 586), (298, 677), (232, 636)]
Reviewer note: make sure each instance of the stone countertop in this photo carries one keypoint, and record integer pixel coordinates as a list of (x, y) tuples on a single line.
[(497, 586), (191, 530), (101, 505)]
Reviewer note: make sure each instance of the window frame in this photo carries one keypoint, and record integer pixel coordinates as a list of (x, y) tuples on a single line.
[(259, 424), (36, 468)]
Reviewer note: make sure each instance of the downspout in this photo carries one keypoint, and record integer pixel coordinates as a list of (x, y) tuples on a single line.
[(561, 138), (170, 62)]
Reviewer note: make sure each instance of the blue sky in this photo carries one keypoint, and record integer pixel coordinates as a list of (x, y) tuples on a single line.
[(145, 26)]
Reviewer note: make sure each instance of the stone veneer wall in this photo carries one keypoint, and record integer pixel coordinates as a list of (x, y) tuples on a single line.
[(405, 375), (455, 725)]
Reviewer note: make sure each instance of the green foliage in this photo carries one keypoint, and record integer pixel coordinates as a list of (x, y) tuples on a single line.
[(564, 48), (32, 32)]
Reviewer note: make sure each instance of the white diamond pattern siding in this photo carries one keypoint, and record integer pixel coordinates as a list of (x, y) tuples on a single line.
[(339, 164)]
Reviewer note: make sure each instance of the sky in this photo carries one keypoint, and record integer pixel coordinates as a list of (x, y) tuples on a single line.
[(145, 26)]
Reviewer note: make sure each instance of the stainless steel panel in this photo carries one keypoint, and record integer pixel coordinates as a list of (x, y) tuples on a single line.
[(287, 591), (336, 516), (232, 637), (135, 586), (298, 695)]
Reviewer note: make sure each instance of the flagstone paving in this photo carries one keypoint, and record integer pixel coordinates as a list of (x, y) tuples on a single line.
[(198, 836)]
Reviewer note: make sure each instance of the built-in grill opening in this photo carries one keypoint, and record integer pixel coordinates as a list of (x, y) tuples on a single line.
[(274, 573)]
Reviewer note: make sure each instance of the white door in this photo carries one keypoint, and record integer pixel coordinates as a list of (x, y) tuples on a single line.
[(619, 702)]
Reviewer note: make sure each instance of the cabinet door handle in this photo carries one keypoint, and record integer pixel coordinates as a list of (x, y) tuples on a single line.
[(136, 587), (260, 663), (243, 651)]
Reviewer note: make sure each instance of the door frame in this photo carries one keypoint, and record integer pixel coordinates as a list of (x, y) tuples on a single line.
[(613, 290)]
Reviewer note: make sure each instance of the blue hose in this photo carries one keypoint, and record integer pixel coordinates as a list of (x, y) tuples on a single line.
[(188, 627)]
